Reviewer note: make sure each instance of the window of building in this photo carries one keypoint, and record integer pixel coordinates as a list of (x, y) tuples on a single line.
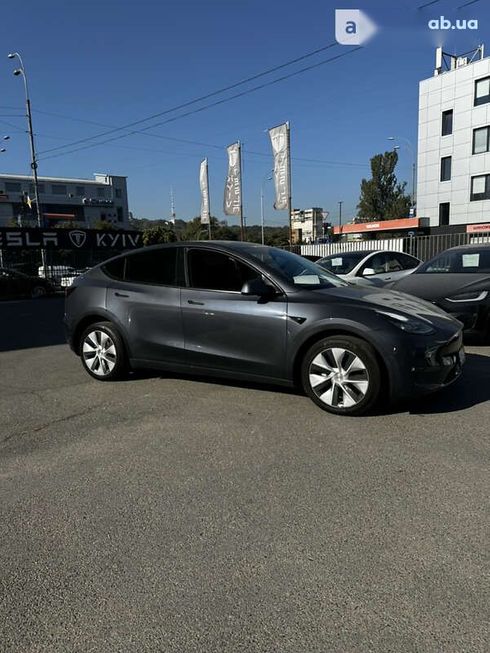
[(481, 140), (80, 191), (118, 193), (158, 267), (31, 188), (100, 192), (12, 187), (482, 91), (447, 122), (444, 213), (58, 189), (445, 168), (216, 271), (480, 188)]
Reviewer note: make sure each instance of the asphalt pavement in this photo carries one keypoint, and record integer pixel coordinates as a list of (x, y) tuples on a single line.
[(168, 514)]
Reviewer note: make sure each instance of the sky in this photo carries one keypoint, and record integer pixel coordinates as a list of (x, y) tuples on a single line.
[(100, 64)]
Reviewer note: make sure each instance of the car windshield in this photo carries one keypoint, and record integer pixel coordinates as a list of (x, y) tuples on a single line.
[(341, 263), (459, 262), (294, 268)]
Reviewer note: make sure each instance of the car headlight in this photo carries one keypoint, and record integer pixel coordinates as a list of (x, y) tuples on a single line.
[(409, 324), (471, 296)]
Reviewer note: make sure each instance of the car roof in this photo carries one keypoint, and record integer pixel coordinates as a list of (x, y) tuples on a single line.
[(470, 246)]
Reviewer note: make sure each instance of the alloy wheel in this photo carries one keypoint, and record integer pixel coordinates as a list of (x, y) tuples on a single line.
[(99, 352), (338, 377)]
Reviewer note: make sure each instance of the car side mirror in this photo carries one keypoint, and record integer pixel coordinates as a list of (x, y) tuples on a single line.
[(368, 272), (258, 288)]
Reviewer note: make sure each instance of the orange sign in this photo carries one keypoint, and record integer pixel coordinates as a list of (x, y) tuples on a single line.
[(475, 228), (382, 225)]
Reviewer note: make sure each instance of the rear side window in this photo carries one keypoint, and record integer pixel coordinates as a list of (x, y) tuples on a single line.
[(408, 262), (115, 268), (157, 267), (217, 271)]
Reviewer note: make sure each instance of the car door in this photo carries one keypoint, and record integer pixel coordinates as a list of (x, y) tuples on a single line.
[(224, 329), (144, 297)]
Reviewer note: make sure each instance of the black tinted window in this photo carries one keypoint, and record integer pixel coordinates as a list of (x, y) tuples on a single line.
[(216, 271), (408, 262), (157, 267), (115, 268)]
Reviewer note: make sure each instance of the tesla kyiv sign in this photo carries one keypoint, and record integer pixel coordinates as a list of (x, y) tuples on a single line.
[(69, 239)]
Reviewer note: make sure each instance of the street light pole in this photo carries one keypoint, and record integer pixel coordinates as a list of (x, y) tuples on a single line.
[(340, 219), (412, 153), (22, 71)]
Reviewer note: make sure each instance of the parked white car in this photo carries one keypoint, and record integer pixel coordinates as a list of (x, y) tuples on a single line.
[(67, 280), (360, 267)]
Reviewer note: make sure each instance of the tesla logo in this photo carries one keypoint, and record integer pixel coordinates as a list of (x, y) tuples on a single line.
[(78, 238)]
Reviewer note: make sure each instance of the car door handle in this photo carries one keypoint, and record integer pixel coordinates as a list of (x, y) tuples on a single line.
[(191, 301), (120, 294)]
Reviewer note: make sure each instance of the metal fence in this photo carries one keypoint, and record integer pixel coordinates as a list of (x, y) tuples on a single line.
[(423, 247)]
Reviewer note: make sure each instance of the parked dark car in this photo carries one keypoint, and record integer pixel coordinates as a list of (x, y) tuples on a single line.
[(458, 280), (251, 312), (18, 284)]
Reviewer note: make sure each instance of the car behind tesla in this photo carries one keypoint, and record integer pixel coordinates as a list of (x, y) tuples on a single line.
[(251, 312), (457, 280)]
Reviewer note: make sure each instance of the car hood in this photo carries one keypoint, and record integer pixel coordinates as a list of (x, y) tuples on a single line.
[(434, 287), (387, 300)]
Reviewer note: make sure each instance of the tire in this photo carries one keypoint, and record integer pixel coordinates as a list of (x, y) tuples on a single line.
[(350, 391), (102, 352), (38, 291)]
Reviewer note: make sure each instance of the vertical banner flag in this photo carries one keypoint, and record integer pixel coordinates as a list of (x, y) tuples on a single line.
[(280, 148), (232, 204), (204, 184)]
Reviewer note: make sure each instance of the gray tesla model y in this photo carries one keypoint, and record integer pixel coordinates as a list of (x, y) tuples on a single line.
[(251, 312)]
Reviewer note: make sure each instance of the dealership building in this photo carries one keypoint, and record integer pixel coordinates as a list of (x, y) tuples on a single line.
[(79, 202), (453, 180)]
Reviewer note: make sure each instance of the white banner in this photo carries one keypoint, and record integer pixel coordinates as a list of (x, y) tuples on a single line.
[(280, 148), (204, 184), (232, 203)]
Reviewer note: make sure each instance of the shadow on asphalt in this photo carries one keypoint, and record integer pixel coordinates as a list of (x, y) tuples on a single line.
[(31, 323), (471, 389)]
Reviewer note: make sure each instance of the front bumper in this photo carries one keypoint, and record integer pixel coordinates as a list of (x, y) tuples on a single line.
[(428, 367)]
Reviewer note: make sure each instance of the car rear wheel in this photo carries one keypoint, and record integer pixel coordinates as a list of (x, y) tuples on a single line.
[(38, 291), (341, 375), (102, 352)]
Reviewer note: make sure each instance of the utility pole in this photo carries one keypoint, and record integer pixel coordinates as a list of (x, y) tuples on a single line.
[(340, 218), (21, 71)]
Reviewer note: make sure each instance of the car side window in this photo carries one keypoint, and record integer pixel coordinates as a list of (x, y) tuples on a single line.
[(115, 268), (376, 262), (407, 262), (156, 267), (210, 270)]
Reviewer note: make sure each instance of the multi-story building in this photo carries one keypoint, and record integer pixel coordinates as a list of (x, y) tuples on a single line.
[(81, 202), (453, 188), (307, 224)]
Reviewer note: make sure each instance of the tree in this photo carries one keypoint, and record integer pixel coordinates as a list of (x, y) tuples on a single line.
[(158, 235), (102, 225), (382, 197)]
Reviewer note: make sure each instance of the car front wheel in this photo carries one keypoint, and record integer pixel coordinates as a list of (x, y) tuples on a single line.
[(341, 375), (102, 352)]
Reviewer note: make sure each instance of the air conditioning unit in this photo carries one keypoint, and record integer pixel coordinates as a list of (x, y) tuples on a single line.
[(461, 61)]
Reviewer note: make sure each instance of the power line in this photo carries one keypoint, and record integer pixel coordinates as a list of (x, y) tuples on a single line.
[(208, 106), (196, 100)]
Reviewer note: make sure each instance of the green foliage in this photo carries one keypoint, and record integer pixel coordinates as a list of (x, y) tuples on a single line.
[(382, 197), (158, 235), (102, 225)]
